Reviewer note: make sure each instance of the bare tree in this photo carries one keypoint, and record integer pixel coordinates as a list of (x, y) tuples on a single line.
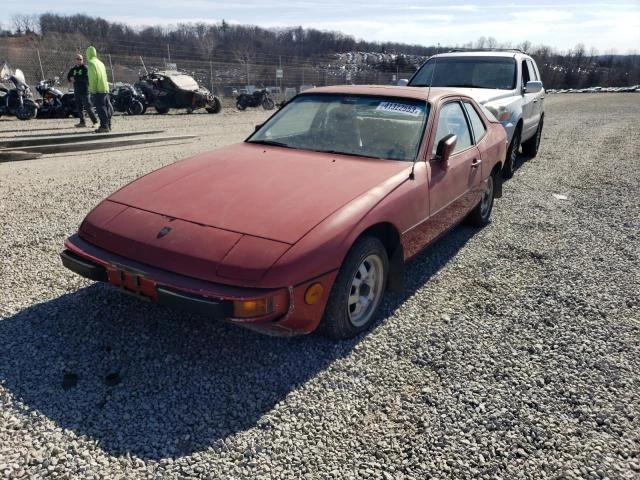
[(245, 55), (23, 23)]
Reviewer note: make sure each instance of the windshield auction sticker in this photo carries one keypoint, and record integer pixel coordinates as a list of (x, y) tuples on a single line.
[(401, 108)]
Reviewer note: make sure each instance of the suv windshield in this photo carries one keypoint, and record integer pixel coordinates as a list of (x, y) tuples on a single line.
[(369, 126), (470, 72)]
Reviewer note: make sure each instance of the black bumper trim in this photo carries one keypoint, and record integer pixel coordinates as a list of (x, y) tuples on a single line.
[(220, 309), (83, 267)]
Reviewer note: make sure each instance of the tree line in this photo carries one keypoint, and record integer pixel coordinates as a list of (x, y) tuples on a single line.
[(247, 44)]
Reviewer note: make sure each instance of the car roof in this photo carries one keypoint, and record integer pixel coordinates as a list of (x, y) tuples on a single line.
[(491, 53), (418, 93)]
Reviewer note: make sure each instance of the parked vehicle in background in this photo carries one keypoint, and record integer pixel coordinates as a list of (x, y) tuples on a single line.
[(128, 99), (18, 100), (305, 224), (53, 102), (506, 82), (255, 99), (169, 89)]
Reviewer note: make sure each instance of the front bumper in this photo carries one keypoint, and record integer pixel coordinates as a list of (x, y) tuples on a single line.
[(197, 304), (290, 314)]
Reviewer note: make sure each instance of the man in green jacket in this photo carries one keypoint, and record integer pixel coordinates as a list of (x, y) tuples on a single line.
[(99, 89)]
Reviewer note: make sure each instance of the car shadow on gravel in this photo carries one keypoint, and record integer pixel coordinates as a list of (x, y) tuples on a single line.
[(144, 380), (141, 379)]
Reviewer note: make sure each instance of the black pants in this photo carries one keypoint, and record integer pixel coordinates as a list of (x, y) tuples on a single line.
[(103, 108), (83, 103)]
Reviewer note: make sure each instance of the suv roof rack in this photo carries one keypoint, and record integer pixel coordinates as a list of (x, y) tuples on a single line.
[(517, 50)]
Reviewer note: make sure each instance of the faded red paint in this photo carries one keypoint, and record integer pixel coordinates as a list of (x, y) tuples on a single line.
[(253, 220)]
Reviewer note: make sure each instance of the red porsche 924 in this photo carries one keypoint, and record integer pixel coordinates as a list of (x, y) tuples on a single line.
[(305, 224)]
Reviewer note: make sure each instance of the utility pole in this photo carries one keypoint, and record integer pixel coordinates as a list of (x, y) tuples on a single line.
[(113, 77), (211, 73), (40, 62)]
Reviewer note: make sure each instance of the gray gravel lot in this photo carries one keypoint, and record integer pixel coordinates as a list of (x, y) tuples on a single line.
[(514, 353)]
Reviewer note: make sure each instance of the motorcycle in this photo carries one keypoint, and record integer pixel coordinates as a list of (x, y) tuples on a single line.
[(259, 97), (128, 99), (54, 103), (18, 101)]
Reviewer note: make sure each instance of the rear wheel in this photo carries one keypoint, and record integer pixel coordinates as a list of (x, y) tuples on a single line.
[(240, 105), (530, 147), (481, 214), (509, 167), (357, 291)]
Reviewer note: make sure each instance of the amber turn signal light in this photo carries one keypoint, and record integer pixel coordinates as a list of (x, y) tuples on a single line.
[(313, 294), (252, 308)]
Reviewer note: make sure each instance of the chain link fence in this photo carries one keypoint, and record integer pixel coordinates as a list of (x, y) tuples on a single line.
[(224, 78)]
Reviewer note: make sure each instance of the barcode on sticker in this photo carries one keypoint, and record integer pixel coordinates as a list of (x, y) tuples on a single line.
[(401, 108)]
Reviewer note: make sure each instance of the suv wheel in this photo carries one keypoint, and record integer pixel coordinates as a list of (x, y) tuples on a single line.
[(509, 167)]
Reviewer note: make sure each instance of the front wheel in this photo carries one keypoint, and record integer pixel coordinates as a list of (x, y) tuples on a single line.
[(240, 105), (214, 106), (27, 111), (268, 103), (135, 108), (481, 214), (530, 147), (357, 291), (509, 166)]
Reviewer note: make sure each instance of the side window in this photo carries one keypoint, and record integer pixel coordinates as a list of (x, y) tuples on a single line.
[(533, 75), (525, 73), (476, 123), (452, 120)]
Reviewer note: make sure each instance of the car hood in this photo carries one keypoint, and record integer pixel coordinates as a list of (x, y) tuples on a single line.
[(267, 192), (485, 95)]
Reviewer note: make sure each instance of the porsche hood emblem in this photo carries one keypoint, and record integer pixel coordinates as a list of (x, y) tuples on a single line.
[(164, 231)]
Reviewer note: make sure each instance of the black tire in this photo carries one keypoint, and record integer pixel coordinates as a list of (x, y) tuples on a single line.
[(161, 109), (530, 147), (214, 106), (268, 103), (240, 105), (481, 214), (144, 109), (136, 108), (509, 167), (28, 111), (341, 319)]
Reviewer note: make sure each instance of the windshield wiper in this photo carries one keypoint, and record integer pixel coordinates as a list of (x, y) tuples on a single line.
[(466, 85), (271, 142), (352, 154)]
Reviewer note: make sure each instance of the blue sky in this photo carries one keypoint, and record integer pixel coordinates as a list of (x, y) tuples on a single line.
[(602, 25)]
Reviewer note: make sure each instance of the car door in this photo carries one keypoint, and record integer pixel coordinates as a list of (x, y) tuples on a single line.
[(453, 186), (537, 102), (529, 100)]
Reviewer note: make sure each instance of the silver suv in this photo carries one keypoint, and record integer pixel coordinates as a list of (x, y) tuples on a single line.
[(506, 82)]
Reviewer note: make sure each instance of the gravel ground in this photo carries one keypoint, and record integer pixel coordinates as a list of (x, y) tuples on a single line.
[(513, 354)]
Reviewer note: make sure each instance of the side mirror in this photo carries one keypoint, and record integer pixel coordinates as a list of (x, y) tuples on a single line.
[(258, 127), (445, 149), (533, 86), (403, 82)]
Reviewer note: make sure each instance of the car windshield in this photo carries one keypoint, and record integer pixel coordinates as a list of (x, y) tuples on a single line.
[(470, 72), (368, 126)]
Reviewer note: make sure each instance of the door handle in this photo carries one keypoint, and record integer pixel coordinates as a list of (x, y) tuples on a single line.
[(475, 163), (535, 101)]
